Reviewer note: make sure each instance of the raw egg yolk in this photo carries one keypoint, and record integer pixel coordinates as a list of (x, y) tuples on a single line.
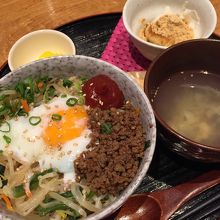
[(70, 125)]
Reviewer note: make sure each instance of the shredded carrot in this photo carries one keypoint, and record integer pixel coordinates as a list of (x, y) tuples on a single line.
[(25, 105), (27, 190), (7, 202), (40, 85), (28, 193)]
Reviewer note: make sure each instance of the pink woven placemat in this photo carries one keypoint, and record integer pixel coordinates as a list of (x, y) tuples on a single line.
[(121, 52)]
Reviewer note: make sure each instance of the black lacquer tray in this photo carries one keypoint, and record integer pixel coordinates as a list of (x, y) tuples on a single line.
[(167, 169)]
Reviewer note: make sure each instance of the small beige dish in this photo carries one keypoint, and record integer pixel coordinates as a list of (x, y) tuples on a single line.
[(39, 44), (200, 16)]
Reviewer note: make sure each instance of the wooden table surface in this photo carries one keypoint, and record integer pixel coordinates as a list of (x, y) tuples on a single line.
[(18, 17)]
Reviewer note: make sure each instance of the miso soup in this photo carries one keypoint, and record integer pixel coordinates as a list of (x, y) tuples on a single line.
[(189, 102)]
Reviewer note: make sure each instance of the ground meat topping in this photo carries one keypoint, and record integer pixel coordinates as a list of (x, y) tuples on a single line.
[(112, 160)]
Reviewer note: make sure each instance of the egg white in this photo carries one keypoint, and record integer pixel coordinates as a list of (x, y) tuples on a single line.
[(63, 160), (27, 144)]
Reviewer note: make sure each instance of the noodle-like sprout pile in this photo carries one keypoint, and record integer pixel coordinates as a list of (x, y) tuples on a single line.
[(30, 191), (30, 186)]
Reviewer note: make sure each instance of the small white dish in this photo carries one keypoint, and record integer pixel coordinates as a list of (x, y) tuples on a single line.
[(39, 44), (202, 15)]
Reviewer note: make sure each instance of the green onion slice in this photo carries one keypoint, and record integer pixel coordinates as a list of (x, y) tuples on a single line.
[(2, 108), (90, 195), (147, 144), (21, 112), (81, 100), (7, 139), (34, 120), (106, 128), (67, 83), (56, 117), (63, 95), (5, 111), (71, 101), (5, 127), (18, 191)]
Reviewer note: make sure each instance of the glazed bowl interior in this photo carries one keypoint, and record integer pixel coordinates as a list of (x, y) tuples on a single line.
[(66, 66), (194, 55)]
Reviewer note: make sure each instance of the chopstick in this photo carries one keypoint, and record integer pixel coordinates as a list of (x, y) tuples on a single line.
[(200, 211), (208, 211)]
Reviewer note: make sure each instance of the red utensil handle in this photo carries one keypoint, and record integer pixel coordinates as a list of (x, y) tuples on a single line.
[(171, 199)]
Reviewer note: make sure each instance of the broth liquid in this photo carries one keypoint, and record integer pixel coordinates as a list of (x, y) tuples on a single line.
[(189, 102)]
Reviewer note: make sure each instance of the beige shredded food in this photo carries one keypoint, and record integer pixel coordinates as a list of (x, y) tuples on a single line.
[(167, 30)]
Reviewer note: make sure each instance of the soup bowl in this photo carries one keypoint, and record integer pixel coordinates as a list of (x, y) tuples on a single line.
[(195, 55), (82, 66)]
